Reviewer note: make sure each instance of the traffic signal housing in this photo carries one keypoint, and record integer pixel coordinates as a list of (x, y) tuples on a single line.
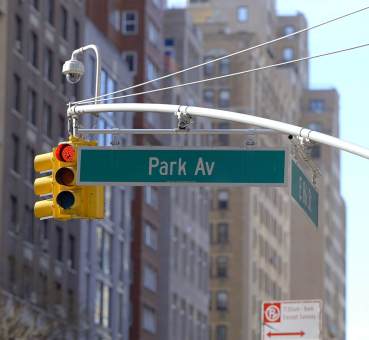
[(66, 200)]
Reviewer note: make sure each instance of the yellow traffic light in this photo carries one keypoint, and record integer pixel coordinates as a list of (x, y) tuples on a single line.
[(68, 200), (44, 185)]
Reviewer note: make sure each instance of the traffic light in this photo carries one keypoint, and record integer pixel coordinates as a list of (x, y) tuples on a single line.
[(68, 200)]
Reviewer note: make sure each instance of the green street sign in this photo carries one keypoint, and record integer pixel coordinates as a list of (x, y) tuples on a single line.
[(170, 166), (304, 193)]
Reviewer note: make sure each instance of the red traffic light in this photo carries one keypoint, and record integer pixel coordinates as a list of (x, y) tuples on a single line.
[(65, 153)]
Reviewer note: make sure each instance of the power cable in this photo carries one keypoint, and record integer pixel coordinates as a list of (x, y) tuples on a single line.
[(89, 100), (234, 74)]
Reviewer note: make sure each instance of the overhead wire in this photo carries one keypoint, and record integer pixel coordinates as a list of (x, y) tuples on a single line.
[(92, 99), (235, 73)]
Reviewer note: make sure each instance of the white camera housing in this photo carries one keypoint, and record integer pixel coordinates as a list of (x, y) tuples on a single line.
[(73, 69)]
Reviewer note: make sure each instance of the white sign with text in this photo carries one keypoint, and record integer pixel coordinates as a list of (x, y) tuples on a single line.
[(292, 320)]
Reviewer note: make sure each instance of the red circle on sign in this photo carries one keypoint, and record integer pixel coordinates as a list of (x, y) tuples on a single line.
[(272, 312)]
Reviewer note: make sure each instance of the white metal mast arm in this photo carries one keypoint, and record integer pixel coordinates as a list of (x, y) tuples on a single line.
[(285, 128)]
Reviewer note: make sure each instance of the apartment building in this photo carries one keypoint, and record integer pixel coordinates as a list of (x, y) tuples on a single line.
[(325, 256), (105, 244), (136, 29), (258, 242), (39, 259), (184, 241)]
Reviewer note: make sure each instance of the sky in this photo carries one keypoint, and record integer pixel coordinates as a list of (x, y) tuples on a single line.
[(349, 73)]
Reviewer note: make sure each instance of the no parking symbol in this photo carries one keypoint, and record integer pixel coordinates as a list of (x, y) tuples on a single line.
[(292, 320), (272, 312)]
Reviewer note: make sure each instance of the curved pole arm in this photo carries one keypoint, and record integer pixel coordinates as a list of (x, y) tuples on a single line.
[(226, 115), (98, 65)]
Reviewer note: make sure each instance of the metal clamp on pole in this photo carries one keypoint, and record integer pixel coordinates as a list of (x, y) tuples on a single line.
[(184, 119), (299, 151), (73, 122)]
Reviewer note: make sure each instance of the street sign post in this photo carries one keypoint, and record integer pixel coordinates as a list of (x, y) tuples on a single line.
[(304, 193), (184, 166), (292, 320)]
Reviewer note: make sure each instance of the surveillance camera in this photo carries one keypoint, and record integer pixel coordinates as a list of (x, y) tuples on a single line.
[(73, 69)]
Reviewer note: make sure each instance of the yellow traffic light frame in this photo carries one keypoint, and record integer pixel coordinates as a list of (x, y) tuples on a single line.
[(88, 201)]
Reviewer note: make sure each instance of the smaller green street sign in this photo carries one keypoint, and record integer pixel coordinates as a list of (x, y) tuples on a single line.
[(304, 193), (180, 166)]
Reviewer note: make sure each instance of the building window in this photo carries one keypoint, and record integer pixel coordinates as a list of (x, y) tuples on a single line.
[(152, 71), (153, 34), (224, 98), (30, 172), (15, 162), (29, 224), (315, 151), (287, 30), (129, 22), (58, 294), (102, 304), (242, 14), (35, 4), (209, 69), (222, 233), (47, 120), (48, 64), (157, 3), (150, 278), (151, 196), (50, 11), (208, 97), (176, 249), (43, 289), (17, 93), (223, 198), (63, 81), (317, 105), (169, 47), (62, 126), (31, 106), (169, 42), (222, 266), (33, 49), (222, 301), (13, 210), (59, 243), (72, 252), (70, 304), (121, 263), (76, 39), (18, 34), (288, 54), (150, 236), (12, 269), (184, 255), (115, 19), (27, 276), (315, 126), (149, 319), (221, 332), (64, 22), (130, 58), (224, 66), (104, 249)]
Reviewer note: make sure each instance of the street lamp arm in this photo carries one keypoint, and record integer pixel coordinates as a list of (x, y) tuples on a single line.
[(285, 128), (98, 65)]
